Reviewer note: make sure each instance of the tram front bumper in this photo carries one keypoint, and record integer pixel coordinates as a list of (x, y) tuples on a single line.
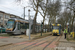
[(55, 34)]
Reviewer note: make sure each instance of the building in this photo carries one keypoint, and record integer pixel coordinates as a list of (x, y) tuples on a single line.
[(5, 16)]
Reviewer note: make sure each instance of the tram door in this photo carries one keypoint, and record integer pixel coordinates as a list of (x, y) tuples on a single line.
[(18, 28)]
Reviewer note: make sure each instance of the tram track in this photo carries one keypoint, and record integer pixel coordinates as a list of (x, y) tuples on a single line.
[(41, 44), (50, 43), (25, 43), (36, 45)]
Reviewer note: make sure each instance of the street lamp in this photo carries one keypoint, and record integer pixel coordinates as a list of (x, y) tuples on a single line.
[(29, 23), (29, 14)]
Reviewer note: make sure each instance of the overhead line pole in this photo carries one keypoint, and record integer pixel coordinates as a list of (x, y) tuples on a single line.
[(24, 12)]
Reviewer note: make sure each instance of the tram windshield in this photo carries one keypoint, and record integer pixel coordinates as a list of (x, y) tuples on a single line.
[(55, 27), (10, 24)]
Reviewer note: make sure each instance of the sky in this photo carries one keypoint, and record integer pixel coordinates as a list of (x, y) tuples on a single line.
[(10, 6)]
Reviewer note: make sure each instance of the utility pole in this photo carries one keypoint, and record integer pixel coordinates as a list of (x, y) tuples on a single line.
[(24, 12)]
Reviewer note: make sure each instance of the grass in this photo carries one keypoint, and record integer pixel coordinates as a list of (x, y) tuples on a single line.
[(70, 38), (43, 35), (4, 35), (33, 36), (67, 36)]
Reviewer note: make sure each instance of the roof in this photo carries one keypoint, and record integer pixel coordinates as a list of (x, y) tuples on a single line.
[(9, 14), (2, 12)]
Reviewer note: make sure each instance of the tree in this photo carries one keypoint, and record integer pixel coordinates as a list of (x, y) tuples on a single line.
[(50, 10), (71, 6), (35, 5), (43, 7), (65, 18), (53, 10)]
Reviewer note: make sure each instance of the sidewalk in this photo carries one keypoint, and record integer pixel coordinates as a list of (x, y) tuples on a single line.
[(65, 45)]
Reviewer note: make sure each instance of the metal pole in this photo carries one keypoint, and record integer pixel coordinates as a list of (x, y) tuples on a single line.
[(24, 12), (29, 23)]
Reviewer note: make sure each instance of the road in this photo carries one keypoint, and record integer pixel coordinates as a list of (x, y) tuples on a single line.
[(46, 43)]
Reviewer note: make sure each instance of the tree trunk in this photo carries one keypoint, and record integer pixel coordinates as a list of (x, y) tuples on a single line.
[(49, 25), (34, 21), (45, 13), (43, 21), (49, 22), (72, 23)]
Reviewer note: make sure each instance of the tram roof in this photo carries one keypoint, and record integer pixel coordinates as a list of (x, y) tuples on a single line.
[(56, 24), (20, 20), (23, 20)]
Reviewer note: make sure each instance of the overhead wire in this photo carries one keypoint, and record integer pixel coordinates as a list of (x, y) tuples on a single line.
[(10, 9)]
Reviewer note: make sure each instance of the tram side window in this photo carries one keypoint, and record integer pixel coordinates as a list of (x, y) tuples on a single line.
[(26, 25), (22, 25), (31, 26), (14, 26), (18, 26)]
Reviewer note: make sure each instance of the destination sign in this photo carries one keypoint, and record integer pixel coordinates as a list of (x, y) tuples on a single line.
[(10, 20)]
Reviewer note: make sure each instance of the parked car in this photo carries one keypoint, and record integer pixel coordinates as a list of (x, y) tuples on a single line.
[(2, 30)]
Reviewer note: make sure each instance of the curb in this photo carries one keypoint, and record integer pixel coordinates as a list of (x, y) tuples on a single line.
[(16, 37), (66, 42)]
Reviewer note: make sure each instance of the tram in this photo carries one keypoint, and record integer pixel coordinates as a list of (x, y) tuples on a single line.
[(16, 26), (56, 29)]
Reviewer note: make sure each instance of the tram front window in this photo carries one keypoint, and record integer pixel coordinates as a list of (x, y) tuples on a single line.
[(55, 27), (10, 24)]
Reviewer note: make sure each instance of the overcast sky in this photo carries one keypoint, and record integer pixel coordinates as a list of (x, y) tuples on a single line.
[(10, 6)]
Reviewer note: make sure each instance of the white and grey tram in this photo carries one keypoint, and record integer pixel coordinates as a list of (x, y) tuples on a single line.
[(16, 26), (19, 26)]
